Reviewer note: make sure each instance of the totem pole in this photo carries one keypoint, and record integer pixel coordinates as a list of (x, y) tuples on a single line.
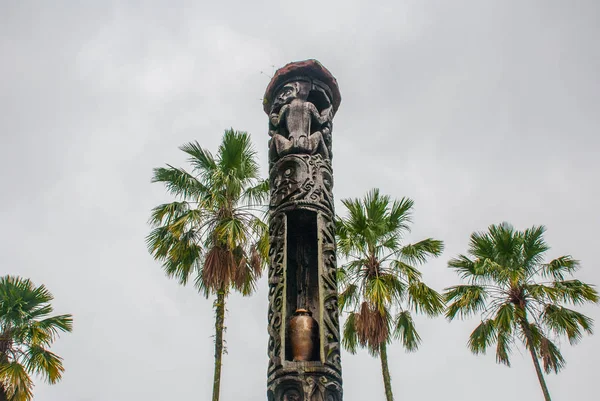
[(304, 341)]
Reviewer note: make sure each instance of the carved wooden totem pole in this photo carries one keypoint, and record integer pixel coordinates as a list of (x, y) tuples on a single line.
[(304, 339)]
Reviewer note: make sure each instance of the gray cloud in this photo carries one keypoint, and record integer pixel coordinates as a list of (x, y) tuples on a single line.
[(479, 111)]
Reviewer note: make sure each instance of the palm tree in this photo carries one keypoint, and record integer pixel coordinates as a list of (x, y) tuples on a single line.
[(26, 332), (380, 284), (520, 298), (211, 232)]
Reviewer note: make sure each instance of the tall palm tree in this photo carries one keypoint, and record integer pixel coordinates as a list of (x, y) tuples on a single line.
[(520, 298), (26, 332), (380, 284), (211, 232)]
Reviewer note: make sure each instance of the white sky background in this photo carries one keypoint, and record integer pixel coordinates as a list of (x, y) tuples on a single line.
[(480, 111)]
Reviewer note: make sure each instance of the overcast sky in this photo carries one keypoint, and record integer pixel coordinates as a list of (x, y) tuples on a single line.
[(480, 111)]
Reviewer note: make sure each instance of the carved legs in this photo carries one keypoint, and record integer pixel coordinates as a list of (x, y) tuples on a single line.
[(313, 144), (317, 144)]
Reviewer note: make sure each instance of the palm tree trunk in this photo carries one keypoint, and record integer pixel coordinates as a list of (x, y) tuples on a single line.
[(387, 381), (219, 324), (3, 359), (536, 362)]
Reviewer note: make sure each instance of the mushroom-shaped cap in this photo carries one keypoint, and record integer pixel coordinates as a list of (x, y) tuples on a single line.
[(307, 68)]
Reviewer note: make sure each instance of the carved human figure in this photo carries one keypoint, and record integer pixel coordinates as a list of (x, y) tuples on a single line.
[(296, 116)]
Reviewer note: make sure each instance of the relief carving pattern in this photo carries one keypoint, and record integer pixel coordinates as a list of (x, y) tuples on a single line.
[(330, 317), (301, 101), (276, 286)]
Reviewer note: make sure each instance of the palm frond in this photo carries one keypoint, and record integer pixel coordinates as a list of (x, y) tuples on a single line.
[(257, 260), (231, 231), (560, 266), (45, 331), (405, 331), (219, 268), (466, 268), (503, 349), (400, 215), (481, 245), (202, 160), (575, 292), (418, 253), (180, 254), (350, 336), (377, 291), (179, 182), (424, 299), (410, 273), (566, 321), (483, 336), (505, 241), (22, 300), (236, 157), (552, 358), (16, 381), (244, 280), (465, 300), (505, 318), (166, 213), (261, 230), (258, 193), (396, 287), (45, 363), (372, 326), (349, 297), (534, 247), (541, 292)]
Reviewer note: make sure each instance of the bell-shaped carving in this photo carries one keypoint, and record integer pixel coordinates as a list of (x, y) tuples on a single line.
[(304, 336)]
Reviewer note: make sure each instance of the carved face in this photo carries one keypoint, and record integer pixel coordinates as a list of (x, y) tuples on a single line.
[(288, 93), (288, 179)]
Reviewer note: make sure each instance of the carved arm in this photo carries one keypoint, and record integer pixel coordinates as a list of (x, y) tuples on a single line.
[(276, 118), (322, 117)]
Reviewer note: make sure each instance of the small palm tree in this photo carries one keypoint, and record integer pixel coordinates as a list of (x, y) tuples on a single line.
[(26, 332), (380, 284), (520, 298), (211, 232)]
